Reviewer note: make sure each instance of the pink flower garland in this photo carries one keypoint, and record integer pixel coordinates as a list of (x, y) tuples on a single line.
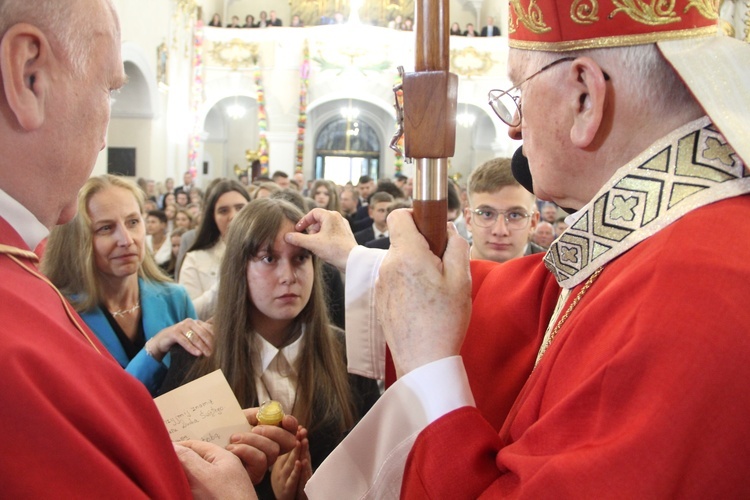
[(304, 77), (196, 97), (262, 122)]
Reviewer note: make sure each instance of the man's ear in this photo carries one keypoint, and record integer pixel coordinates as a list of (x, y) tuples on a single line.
[(591, 92), (467, 216), (24, 59), (534, 220)]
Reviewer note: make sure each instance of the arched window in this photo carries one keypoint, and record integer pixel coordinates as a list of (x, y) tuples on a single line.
[(346, 148)]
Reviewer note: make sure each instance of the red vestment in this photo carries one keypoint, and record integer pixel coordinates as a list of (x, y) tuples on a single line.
[(532, 292), (642, 393), (75, 424)]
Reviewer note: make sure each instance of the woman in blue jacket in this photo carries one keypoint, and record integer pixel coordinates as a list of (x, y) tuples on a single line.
[(99, 261)]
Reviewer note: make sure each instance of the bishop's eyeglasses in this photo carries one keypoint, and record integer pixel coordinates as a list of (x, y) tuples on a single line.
[(507, 103), (514, 219)]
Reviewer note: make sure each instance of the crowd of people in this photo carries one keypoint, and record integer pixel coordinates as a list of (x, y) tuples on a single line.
[(398, 22), (476, 218), (488, 30), (265, 20), (610, 364)]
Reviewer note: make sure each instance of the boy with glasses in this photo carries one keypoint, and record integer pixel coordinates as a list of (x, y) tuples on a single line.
[(500, 215)]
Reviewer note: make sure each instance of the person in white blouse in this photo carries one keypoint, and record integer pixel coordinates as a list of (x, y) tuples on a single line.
[(275, 341), (200, 269), (156, 237)]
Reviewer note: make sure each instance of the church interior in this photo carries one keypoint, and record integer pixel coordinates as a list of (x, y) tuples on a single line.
[(317, 99)]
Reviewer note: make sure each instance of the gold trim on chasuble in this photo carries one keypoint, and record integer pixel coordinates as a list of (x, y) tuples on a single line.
[(14, 253), (692, 167)]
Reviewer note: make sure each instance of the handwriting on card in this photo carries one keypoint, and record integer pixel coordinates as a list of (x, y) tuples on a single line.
[(204, 409)]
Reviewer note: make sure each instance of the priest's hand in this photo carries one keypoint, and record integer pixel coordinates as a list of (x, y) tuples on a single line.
[(292, 471), (327, 235), (259, 448), (213, 472), (423, 302)]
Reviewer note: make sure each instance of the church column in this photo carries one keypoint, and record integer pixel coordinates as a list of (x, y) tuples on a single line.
[(282, 149)]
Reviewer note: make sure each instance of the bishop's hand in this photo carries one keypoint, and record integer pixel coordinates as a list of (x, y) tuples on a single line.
[(423, 303)]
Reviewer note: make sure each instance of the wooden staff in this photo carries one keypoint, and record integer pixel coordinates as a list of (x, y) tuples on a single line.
[(429, 125)]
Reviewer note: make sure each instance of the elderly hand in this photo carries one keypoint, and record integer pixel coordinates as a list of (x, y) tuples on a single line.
[(196, 337), (259, 448), (422, 302), (292, 471), (328, 236), (213, 472)]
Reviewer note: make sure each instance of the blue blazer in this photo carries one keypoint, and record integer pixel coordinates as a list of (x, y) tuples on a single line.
[(162, 305)]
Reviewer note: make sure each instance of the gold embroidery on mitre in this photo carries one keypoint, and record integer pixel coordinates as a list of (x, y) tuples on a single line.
[(614, 41), (726, 28), (652, 13), (707, 8), (584, 11), (532, 19), (512, 21)]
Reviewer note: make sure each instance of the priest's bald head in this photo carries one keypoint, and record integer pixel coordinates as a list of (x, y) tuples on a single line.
[(59, 62)]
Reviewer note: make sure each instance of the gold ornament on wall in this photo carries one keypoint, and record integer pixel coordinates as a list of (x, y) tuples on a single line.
[(162, 63), (189, 7), (234, 54), (251, 156), (378, 12), (470, 62)]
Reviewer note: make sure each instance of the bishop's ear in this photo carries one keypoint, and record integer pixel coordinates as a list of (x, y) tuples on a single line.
[(590, 82), (24, 67)]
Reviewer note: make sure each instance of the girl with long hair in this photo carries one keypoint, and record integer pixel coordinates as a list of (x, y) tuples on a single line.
[(274, 341), (325, 195), (200, 268)]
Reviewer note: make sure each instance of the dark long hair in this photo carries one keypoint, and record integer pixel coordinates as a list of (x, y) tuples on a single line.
[(208, 231), (323, 381)]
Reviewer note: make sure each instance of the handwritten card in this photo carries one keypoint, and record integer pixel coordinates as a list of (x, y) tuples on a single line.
[(204, 409)]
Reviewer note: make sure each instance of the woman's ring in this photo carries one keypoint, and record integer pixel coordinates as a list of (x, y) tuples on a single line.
[(189, 334)]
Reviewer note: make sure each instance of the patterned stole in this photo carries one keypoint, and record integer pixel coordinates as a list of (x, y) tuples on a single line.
[(691, 167)]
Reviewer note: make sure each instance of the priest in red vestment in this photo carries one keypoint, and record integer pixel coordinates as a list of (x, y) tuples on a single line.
[(637, 389), (74, 423)]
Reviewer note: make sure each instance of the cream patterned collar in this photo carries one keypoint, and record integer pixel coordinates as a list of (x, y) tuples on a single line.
[(691, 167)]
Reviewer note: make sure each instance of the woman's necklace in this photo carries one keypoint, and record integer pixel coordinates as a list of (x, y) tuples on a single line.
[(123, 312)]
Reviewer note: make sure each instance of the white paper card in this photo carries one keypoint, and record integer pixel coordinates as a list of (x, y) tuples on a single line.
[(205, 409)]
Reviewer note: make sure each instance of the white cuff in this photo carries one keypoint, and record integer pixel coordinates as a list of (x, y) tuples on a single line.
[(365, 342), (369, 462)]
